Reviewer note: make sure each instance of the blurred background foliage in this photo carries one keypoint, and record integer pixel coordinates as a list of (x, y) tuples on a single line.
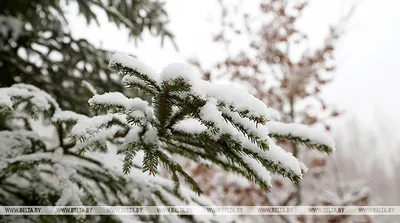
[(37, 47)]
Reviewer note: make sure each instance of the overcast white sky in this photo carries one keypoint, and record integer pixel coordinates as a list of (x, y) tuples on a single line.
[(368, 74)]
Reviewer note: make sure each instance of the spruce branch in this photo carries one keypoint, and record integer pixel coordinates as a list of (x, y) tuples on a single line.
[(122, 70), (65, 176), (301, 134), (302, 141), (197, 120), (150, 160)]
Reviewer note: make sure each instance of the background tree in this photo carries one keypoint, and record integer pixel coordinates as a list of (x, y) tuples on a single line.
[(269, 54), (37, 47)]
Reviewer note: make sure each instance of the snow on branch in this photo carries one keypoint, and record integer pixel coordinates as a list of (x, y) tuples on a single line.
[(116, 100), (186, 75), (5, 100), (67, 116), (58, 173), (199, 120), (127, 65), (260, 171), (190, 125), (301, 134), (243, 102), (18, 143), (88, 127), (35, 100)]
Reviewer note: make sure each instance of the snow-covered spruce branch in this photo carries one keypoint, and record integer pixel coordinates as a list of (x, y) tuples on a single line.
[(34, 173), (35, 101), (199, 120), (301, 134)]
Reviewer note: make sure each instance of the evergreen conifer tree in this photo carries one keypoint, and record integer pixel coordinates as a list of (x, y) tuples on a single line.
[(37, 47)]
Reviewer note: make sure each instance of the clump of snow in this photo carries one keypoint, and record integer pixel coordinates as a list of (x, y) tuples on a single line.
[(189, 74), (275, 154), (63, 116), (131, 62), (99, 138), (151, 135), (118, 99), (210, 113), (70, 192), (31, 157), (129, 79), (110, 98), (180, 70), (284, 158), (16, 142), (90, 126), (5, 100), (301, 131), (257, 129), (131, 137), (190, 125), (303, 167), (40, 99), (259, 170), (241, 100)]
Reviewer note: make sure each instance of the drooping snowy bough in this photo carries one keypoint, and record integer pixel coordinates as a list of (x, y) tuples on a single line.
[(193, 118), (36, 171)]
